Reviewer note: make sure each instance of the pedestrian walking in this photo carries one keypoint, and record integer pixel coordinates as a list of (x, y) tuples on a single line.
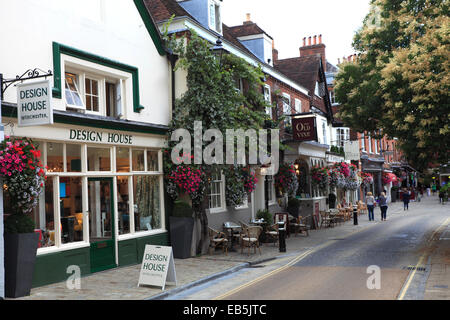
[(383, 205), (406, 197), (441, 196), (433, 188), (370, 203)]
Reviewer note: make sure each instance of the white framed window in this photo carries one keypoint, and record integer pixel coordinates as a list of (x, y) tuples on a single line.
[(287, 108), (239, 85), (298, 105), (370, 143), (363, 142), (215, 21), (268, 99), (332, 97), (342, 134), (316, 90), (217, 192), (324, 132), (95, 89), (376, 146), (270, 189)]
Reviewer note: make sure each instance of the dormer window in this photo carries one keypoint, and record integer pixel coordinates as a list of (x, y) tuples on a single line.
[(215, 22)]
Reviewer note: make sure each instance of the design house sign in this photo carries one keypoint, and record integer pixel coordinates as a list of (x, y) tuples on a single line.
[(304, 129), (34, 104), (95, 136)]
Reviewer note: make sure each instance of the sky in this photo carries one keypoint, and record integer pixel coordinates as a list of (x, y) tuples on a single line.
[(289, 21)]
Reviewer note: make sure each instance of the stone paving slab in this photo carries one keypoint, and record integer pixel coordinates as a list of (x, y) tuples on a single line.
[(121, 283)]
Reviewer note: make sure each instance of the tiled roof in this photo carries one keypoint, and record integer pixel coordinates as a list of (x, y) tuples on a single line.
[(247, 29), (304, 70)]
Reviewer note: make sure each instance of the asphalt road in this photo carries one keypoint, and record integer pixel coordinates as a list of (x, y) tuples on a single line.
[(373, 264)]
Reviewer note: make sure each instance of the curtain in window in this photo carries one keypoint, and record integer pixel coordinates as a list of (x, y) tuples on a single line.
[(147, 199)]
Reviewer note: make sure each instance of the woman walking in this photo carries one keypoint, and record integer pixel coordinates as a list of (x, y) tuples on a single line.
[(383, 206), (370, 201), (406, 197)]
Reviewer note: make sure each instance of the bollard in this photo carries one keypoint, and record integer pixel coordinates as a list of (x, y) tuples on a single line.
[(282, 236), (355, 215)]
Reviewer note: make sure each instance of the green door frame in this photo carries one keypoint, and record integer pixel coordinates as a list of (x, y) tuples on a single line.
[(112, 242)]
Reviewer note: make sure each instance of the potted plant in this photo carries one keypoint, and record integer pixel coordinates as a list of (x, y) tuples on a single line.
[(181, 229), (23, 177), (293, 207)]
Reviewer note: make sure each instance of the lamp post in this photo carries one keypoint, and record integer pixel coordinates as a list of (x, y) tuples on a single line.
[(218, 50)]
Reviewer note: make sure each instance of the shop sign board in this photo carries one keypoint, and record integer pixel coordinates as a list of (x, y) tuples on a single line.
[(351, 150), (304, 129), (157, 267), (34, 106)]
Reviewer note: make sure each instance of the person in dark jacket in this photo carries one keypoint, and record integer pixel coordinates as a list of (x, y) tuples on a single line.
[(383, 205), (406, 197)]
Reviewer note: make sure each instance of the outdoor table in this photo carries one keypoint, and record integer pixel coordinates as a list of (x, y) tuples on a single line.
[(230, 228)]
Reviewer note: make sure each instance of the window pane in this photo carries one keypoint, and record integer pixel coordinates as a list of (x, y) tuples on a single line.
[(95, 104), (123, 205), (88, 86), (70, 192), (138, 160), (147, 212), (73, 157), (99, 159), (122, 159), (55, 157), (152, 161)]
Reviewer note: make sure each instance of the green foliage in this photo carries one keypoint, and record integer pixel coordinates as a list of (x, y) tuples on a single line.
[(266, 215), (400, 81), (19, 223), (182, 209)]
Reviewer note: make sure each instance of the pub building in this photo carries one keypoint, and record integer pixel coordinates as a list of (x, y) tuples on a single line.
[(103, 198)]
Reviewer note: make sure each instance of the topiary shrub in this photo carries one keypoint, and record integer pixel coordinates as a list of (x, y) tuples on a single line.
[(19, 223), (182, 209), (264, 214)]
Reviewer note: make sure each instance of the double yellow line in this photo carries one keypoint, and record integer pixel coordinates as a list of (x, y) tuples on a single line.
[(291, 263), (411, 277)]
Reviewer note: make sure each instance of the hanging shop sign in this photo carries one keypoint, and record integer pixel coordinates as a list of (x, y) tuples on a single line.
[(34, 106), (157, 267), (351, 150), (304, 129)]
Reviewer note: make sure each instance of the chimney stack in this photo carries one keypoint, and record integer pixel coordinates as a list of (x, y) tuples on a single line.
[(318, 48), (274, 52), (247, 18)]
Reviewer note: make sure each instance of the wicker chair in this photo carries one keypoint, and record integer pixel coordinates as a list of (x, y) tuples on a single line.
[(297, 226), (325, 219), (217, 239), (250, 238), (272, 233)]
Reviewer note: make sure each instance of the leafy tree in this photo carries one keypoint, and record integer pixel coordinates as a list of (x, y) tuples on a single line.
[(400, 81)]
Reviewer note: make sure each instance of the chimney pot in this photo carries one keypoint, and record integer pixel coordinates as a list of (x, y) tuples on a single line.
[(304, 41), (320, 38), (248, 17), (309, 40), (315, 39)]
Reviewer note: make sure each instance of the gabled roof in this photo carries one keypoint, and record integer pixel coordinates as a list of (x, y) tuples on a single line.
[(304, 70), (247, 29)]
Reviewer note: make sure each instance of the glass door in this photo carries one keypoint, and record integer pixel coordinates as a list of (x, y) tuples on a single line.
[(101, 224)]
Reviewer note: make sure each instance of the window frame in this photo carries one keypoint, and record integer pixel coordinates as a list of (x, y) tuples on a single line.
[(268, 99), (221, 193)]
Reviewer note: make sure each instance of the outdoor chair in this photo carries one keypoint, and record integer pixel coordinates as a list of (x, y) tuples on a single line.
[(362, 207), (217, 239), (297, 225), (325, 220), (250, 238), (272, 233)]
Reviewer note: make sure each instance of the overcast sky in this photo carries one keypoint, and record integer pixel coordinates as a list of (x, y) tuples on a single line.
[(288, 21)]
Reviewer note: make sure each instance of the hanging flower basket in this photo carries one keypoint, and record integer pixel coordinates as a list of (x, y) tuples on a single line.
[(319, 177), (249, 179), (235, 191), (286, 180), (186, 179), (23, 173), (367, 178)]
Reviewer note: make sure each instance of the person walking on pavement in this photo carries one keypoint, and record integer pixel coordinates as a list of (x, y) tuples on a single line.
[(383, 205), (370, 202), (406, 197), (441, 196)]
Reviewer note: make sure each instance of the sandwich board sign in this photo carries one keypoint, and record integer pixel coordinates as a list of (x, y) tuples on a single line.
[(34, 106), (157, 267)]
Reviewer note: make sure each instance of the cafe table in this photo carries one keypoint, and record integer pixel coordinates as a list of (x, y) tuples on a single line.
[(232, 230)]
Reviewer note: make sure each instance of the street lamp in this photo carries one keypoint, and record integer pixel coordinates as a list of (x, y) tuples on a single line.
[(218, 50)]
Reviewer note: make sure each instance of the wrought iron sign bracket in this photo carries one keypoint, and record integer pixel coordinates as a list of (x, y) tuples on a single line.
[(27, 75)]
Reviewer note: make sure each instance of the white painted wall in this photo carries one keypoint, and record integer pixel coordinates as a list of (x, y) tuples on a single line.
[(109, 28)]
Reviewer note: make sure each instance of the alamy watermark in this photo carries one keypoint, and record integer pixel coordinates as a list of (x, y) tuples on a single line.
[(213, 153), (374, 281), (73, 282)]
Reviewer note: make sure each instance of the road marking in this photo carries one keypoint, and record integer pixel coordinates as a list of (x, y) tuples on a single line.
[(411, 276)]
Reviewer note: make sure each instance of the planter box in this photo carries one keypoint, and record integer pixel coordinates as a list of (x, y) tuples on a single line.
[(181, 230), (20, 257)]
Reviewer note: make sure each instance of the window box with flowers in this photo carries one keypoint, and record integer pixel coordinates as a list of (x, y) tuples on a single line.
[(23, 178)]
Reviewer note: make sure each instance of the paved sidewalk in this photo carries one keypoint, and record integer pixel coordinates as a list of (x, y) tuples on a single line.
[(121, 283)]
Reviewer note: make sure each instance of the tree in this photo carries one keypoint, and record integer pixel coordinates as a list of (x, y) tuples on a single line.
[(400, 81), (213, 99)]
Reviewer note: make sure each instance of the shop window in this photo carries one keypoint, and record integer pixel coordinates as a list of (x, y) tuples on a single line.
[(113, 99), (122, 159), (55, 157), (99, 159), (73, 158), (298, 105), (268, 99), (152, 161), (147, 210), (216, 191), (71, 213), (100, 210), (123, 204), (138, 160)]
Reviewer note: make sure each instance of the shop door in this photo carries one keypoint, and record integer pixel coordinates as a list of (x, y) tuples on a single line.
[(101, 224)]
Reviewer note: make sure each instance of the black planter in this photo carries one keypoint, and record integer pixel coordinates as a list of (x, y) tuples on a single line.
[(181, 230), (20, 257), (293, 211)]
